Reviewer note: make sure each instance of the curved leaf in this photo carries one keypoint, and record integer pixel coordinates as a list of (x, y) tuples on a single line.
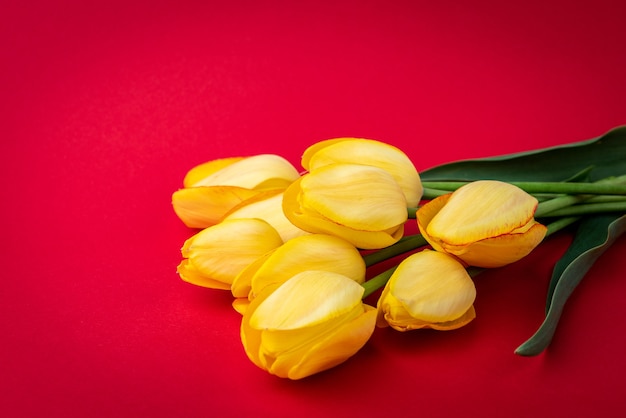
[(605, 154), (593, 237)]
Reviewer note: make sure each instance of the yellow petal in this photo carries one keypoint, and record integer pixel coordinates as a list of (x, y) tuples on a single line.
[(367, 152), (315, 223), (251, 337), (315, 148), (299, 352), (429, 289), (201, 207), (220, 252), (268, 206), (241, 305), (190, 274), (242, 284), (360, 197), (424, 216), (495, 251), (457, 323), (500, 251), (367, 240), (336, 347), (202, 171), (482, 209), (307, 299), (310, 252), (414, 324), (282, 349), (256, 172), (433, 286)]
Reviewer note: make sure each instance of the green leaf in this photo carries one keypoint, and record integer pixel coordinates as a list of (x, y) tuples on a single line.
[(606, 155), (594, 236)]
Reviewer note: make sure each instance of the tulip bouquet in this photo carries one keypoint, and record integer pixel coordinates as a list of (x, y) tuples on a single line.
[(293, 248)]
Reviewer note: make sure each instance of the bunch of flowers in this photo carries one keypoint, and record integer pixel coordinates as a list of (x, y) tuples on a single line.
[(293, 248)]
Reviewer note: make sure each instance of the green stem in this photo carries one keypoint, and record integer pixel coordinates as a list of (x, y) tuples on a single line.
[(560, 224), (430, 193), (588, 208), (557, 203), (613, 186), (405, 244), (377, 281), (605, 199)]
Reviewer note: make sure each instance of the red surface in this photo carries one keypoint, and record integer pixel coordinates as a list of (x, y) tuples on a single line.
[(105, 106)]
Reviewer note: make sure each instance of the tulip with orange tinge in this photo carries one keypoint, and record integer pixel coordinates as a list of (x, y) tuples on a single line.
[(485, 223)]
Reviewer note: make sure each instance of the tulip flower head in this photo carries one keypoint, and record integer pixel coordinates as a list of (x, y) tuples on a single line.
[(362, 204), (485, 223), (367, 152), (312, 322), (214, 188), (216, 255), (258, 172), (308, 252), (429, 289)]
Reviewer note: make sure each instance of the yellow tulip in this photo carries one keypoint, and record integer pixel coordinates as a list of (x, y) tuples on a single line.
[(485, 223), (309, 252), (267, 206), (429, 289), (258, 172), (214, 188), (362, 204), (216, 255), (312, 322), (367, 152)]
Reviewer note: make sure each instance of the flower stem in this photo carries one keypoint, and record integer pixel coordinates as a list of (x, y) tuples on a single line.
[(613, 186), (560, 224), (557, 203), (606, 198), (377, 281), (431, 193), (588, 208), (557, 206), (405, 244)]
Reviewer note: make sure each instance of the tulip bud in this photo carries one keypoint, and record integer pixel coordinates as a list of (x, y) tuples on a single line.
[(362, 204), (312, 322), (258, 172), (216, 255), (309, 252), (429, 289), (485, 223), (213, 189), (367, 152)]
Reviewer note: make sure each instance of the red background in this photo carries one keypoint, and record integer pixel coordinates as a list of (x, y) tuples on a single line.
[(105, 106)]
